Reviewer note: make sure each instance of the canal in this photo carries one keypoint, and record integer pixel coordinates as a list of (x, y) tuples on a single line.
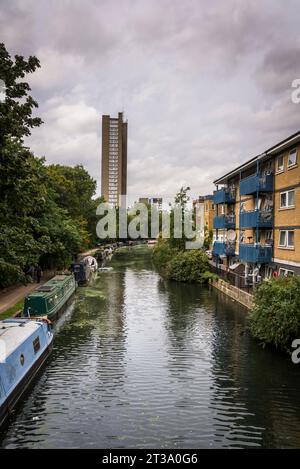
[(142, 362)]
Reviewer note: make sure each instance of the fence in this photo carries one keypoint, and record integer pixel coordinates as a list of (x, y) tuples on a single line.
[(233, 278)]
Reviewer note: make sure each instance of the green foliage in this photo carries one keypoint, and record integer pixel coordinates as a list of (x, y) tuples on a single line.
[(181, 200), (47, 214), (209, 276), (8, 313), (73, 190), (162, 254), (170, 256), (183, 266), (10, 273), (275, 318), (16, 111), (188, 266), (208, 237)]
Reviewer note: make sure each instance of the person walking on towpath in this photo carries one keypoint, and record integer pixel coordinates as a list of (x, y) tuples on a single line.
[(38, 273)]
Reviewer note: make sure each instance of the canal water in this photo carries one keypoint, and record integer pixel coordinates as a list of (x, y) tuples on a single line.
[(142, 362)]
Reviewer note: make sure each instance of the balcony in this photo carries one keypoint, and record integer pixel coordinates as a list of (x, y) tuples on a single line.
[(256, 183), (222, 222), (255, 253), (256, 219), (224, 248), (224, 196)]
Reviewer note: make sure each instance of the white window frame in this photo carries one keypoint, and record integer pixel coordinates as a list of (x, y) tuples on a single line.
[(292, 165), (286, 245), (280, 169), (282, 207), (286, 272)]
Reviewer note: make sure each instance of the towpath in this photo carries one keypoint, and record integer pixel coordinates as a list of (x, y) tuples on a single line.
[(12, 295)]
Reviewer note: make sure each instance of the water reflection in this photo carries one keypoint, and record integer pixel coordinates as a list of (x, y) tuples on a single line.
[(142, 362)]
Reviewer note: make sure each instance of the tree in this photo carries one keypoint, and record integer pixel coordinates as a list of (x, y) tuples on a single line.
[(46, 214), (181, 200), (73, 189), (275, 317)]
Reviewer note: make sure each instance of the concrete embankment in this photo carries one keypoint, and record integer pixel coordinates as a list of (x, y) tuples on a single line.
[(246, 299)]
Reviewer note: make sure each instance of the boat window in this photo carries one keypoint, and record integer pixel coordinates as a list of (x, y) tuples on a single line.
[(36, 344)]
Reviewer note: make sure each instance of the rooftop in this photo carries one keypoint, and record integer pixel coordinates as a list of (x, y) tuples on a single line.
[(279, 147), (13, 332)]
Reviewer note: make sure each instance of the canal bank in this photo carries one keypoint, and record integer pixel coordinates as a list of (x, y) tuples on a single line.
[(235, 293), (143, 362)]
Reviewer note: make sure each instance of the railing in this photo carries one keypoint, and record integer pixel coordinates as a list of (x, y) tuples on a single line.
[(223, 248), (224, 196), (255, 253), (223, 222), (256, 183), (233, 278), (256, 218)]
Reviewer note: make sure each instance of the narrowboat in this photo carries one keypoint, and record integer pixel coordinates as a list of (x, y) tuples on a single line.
[(24, 346), (51, 299), (82, 272), (91, 262)]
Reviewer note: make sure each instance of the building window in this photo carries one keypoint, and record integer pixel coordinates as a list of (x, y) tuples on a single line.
[(287, 239), (280, 163), (286, 273), (287, 199), (292, 161), (269, 237)]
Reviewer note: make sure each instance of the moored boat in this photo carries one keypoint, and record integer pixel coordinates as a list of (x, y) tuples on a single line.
[(24, 346), (82, 272), (50, 299), (91, 262)]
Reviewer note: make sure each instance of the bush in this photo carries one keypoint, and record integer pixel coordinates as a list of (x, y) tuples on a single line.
[(188, 266), (275, 317), (10, 274), (162, 254)]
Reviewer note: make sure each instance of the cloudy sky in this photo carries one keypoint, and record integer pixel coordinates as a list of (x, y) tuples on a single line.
[(204, 84)]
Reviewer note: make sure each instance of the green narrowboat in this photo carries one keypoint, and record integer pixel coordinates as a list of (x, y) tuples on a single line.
[(50, 299)]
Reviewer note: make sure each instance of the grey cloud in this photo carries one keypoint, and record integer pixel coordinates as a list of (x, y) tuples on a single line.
[(279, 68), (201, 83)]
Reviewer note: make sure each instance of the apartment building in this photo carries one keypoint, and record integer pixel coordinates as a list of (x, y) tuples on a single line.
[(155, 201), (257, 221), (114, 158), (209, 209)]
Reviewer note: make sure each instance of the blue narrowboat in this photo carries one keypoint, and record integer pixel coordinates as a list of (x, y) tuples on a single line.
[(24, 346), (50, 299)]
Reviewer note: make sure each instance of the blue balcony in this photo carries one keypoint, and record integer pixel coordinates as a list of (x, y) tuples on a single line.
[(222, 222), (224, 196), (255, 253), (256, 219), (256, 183), (224, 248)]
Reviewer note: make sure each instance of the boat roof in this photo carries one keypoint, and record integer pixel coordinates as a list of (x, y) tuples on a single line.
[(13, 332), (48, 287)]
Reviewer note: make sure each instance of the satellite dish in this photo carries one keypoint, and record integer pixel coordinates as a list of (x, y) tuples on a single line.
[(231, 235)]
